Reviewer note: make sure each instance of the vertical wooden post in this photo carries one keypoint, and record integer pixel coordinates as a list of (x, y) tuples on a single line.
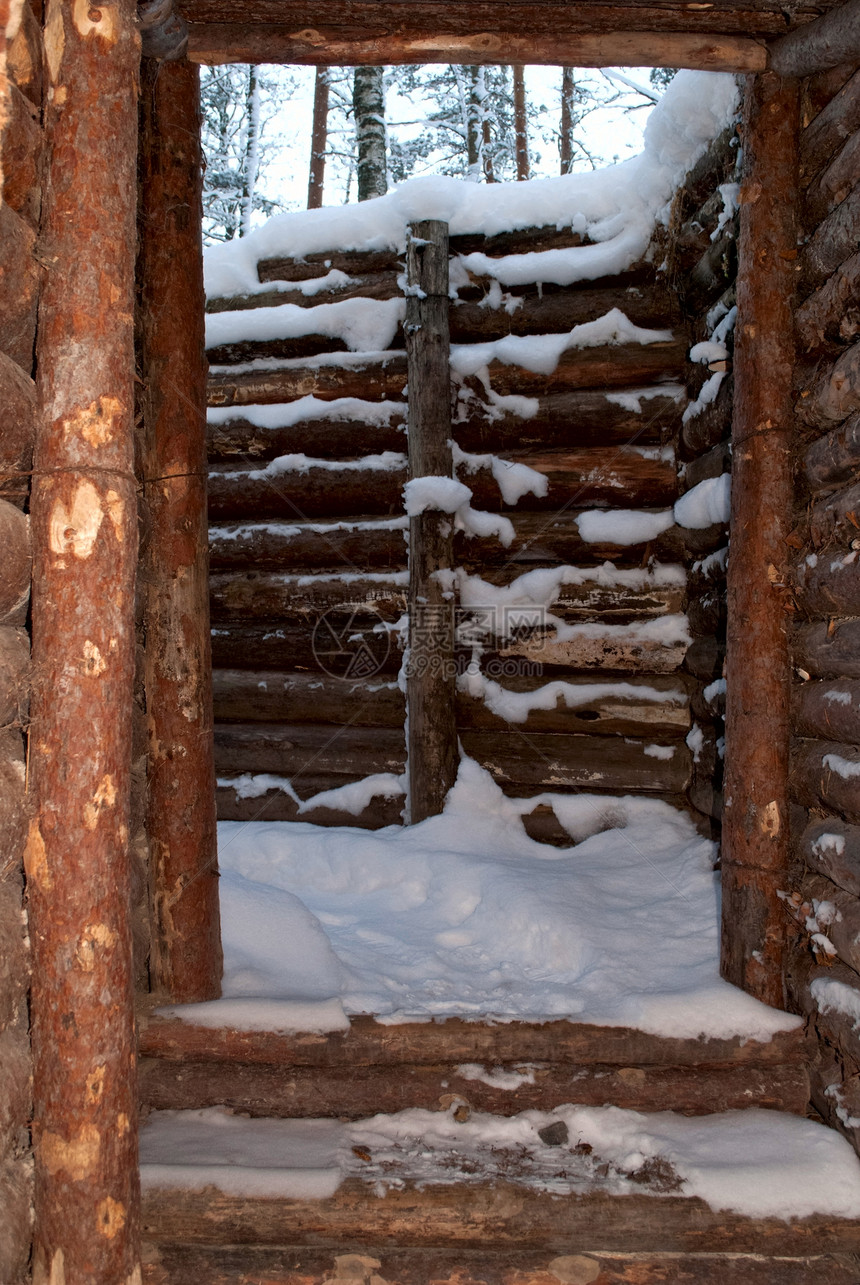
[(755, 828), (521, 129), (84, 523), (431, 678), (319, 139), (186, 935)]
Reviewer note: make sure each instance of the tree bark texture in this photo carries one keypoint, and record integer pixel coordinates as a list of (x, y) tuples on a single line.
[(319, 137), (368, 98), (521, 129), (830, 40), (186, 943), (565, 140), (755, 830), (431, 676), (84, 521)]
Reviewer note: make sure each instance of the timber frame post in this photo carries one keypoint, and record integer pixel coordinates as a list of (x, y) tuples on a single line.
[(431, 679), (755, 826), (186, 956), (84, 523)]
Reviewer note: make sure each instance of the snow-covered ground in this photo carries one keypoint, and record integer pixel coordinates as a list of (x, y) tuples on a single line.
[(465, 915)]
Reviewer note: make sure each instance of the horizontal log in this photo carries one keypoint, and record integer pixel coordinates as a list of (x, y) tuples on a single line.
[(277, 805), (827, 132), (359, 377), (833, 242), (323, 438), (16, 568), (828, 650), (835, 521), (354, 1093), (295, 349), (832, 848), (712, 463), (478, 1213), (831, 316), (835, 1094), (835, 457), (21, 157), (839, 1029), (381, 285), (707, 613), (844, 929), (544, 539), (14, 676), (271, 596), (713, 271), (20, 276), (18, 399), (297, 752), (586, 477), (620, 365), (705, 659), (835, 394), (833, 184), (827, 42), (180, 1264), (827, 709), (603, 650), (711, 426), (371, 1043), (276, 644), (830, 587), (366, 543), (826, 774), (217, 43)]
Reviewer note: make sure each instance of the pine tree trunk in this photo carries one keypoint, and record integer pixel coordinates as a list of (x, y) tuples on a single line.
[(520, 124), (251, 159), (369, 103), (474, 117), (565, 142), (319, 138)]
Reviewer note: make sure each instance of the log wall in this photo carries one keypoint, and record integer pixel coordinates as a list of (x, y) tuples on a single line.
[(21, 163), (307, 536), (823, 897)]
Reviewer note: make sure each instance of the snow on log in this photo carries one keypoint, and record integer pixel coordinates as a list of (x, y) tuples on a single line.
[(830, 995), (254, 595), (832, 847), (830, 128), (277, 804), (826, 774), (828, 710), (831, 315), (371, 543), (613, 365), (828, 584), (835, 457), (755, 829)]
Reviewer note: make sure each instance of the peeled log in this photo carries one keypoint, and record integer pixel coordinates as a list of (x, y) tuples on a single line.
[(831, 315), (15, 570), (832, 848), (828, 650), (835, 395), (835, 457), (18, 399), (826, 774), (829, 710)]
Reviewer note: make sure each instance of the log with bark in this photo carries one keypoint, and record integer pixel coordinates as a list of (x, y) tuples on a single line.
[(323, 438), (712, 463), (835, 457), (831, 847), (826, 774), (833, 242), (828, 41), (360, 542), (831, 316), (277, 643), (14, 677), (712, 425), (834, 183), (828, 649), (829, 130), (835, 394), (16, 569), (273, 804), (22, 157), (20, 275), (835, 914), (827, 709), (304, 752), (253, 595), (618, 365), (830, 1023), (25, 54), (353, 376), (274, 695), (828, 584)]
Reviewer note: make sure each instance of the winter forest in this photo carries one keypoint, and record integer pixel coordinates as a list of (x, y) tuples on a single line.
[(373, 127)]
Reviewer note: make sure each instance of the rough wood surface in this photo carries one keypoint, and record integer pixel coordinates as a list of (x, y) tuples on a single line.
[(321, 438), (843, 931), (831, 244), (186, 943), (480, 1214), (254, 595), (711, 426), (179, 1264), (373, 381), (25, 54), (358, 1092), (16, 567), (828, 649), (827, 710), (369, 543), (834, 1026), (22, 157), (18, 398), (831, 316), (234, 804), (84, 517), (835, 394), (299, 750), (829, 41), (755, 818), (19, 280), (832, 847), (834, 183), (14, 677), (276, 643), (370, 1043), (826, 133), (216, 43), (834, 521), (826, 774), (831, 586), (835, 457)]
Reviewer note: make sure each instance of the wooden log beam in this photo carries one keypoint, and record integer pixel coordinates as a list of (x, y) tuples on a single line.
[(826, 133), (175, 1263), (271, 596), (218, 43), (235, 803), (755, 825), (273, 644), (826, 192), (18, 398), (430, 671), (829, 41), (830, 585), (826, 775), (84, 520), (835, 457), (186, 938), (832, 847), (829, 710), (832, 243), (835, 394), (835, 521), (373, 381), (828, 649), (372, 544), (831, 316)]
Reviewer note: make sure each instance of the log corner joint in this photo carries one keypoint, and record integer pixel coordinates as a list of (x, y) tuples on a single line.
[(164, 35)]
